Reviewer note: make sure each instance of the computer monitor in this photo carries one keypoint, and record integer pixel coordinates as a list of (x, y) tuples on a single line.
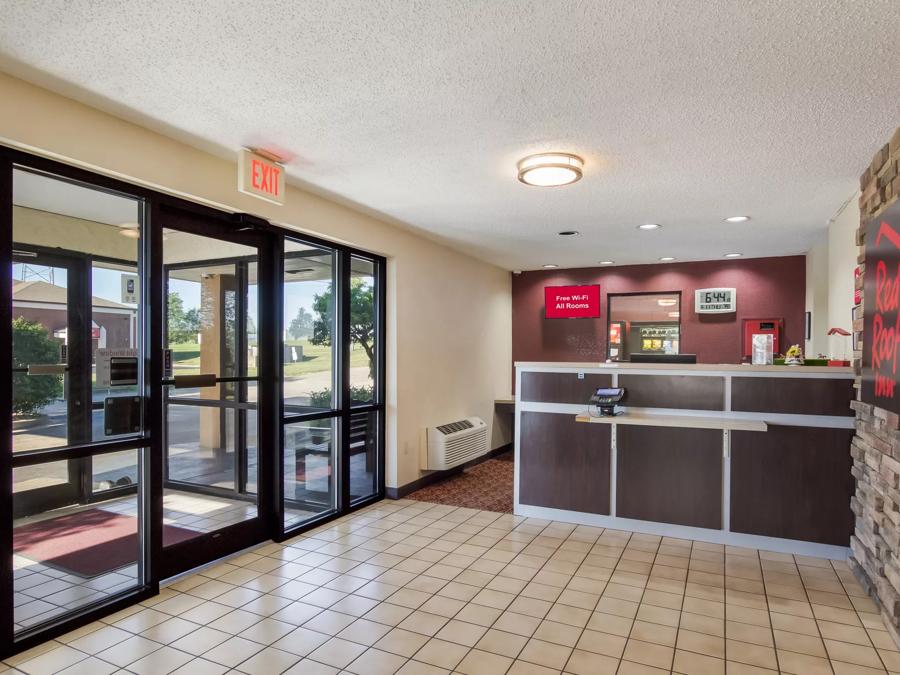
[(664, 358)]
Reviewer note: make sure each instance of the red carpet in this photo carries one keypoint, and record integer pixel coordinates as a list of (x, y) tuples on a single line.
[(487, 486), (87, 543)]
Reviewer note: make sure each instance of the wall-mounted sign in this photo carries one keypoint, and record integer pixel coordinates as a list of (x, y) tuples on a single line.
[(571, 302), (881, 305), (260, 176), (130, 290), (715, 300), (116, 367), (857, 294)]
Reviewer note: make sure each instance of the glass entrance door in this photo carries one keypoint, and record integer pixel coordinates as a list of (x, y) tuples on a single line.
[(211, 464), (78, 441)]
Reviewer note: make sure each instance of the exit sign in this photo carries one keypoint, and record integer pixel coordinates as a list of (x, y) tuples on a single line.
[(260, 176)]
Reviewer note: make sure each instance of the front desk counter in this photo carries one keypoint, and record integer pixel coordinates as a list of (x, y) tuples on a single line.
[(755, 456)]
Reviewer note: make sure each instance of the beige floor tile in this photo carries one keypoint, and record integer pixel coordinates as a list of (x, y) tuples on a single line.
[(402, 642), (423, 622), (337, 653), (588, 663), (654, 632), (375, 662), (558, 633), (501, 642), (803, 664), (441, 653), (691, 663), (418, 668), (527, 668), (517, 623), (745, 632), (849, 653), (840, 631), (794, 624), (632, 668), (648, 654), (462, 633), (701, 643), (545, 654), (702, 624), (602, 643), (749, 654), (477, 662)]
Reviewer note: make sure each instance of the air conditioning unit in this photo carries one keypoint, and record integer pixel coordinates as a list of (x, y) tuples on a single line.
[(452, 444)]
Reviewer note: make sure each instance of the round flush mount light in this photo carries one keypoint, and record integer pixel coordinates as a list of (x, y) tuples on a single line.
[(568, 233), (649, 226), (733, 255), (550, 169), (737, 219), (666, 259), (667, 302), (607, 262), (550, 266)]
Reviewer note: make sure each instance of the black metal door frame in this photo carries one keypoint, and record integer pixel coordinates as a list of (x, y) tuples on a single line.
[(157, 207)]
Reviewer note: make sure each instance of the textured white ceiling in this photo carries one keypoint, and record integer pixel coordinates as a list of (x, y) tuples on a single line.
[(686, 111)]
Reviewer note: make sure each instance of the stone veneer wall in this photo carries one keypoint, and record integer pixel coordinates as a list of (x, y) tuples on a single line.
[(875, 544)]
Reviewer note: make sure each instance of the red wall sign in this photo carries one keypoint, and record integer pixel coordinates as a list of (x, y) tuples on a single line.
[(572, 302), (881, 334)]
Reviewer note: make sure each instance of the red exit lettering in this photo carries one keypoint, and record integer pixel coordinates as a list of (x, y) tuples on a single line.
[(264, 177)]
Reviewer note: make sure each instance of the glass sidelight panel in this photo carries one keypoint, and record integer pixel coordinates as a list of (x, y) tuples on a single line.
[(69, 557), (308, 353), (363, 327), (363, 454), (309, 469)]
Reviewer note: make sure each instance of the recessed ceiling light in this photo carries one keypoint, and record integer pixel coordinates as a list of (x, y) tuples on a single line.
[(568, 233), (550, 266), (737, 219), (550, 169), (674, 315), (649, 226), (607, 262), (667, 302), (131, 234), (733, 255), (666, 259)]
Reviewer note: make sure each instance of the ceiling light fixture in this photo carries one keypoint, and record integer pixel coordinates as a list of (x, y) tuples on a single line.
[(667, 302), (666, 259), (737, 219), (674, 315), (649, 226), (550, 266), (131, 234), (568, 233), (607, 262), (550, 169), (733, 255)]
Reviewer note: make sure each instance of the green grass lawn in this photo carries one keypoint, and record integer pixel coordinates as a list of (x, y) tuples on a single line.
[(315, 358)]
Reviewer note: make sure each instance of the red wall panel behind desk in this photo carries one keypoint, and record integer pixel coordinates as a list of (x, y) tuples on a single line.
[(766, 288)]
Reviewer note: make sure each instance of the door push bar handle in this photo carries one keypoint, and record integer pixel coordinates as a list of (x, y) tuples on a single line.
[(46, 368), (202, 380)]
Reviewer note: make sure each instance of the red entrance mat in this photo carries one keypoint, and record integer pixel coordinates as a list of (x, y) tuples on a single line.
[(87, 543)]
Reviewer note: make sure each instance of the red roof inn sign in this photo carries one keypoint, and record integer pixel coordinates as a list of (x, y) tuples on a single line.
[(571, 302), (881, 331)]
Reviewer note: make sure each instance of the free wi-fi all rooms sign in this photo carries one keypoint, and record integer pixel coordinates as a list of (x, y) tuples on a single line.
[(571, 302)]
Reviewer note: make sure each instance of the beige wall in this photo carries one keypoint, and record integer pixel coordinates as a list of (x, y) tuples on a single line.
[(829, 283), (449, 315)]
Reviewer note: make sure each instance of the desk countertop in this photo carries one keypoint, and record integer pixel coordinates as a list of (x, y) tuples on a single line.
[(689, 421), (724, 368)]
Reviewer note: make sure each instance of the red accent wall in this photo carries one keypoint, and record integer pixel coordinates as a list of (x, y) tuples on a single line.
[(766, 288)]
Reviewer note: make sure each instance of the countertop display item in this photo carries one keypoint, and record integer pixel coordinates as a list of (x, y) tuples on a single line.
[(763, 347), (793, 356)]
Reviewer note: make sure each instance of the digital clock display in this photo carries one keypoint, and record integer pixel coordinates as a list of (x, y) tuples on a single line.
[(715, 300)]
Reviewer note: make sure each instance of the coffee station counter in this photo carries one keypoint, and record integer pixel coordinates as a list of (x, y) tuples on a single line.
[(754, 456)]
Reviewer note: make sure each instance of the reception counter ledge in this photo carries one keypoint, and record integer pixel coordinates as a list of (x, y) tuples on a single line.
[(755, 456)]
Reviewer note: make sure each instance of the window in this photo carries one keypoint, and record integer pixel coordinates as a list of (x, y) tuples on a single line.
[(643, 323)]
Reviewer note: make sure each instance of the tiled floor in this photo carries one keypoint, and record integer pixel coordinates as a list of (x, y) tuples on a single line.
[(417, 588), (43, 592)]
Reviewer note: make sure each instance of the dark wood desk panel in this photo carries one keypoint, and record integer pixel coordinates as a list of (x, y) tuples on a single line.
[(674, 391), (562, 387), (792, 395), (669, 475), (793, 483), (564, 464)]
